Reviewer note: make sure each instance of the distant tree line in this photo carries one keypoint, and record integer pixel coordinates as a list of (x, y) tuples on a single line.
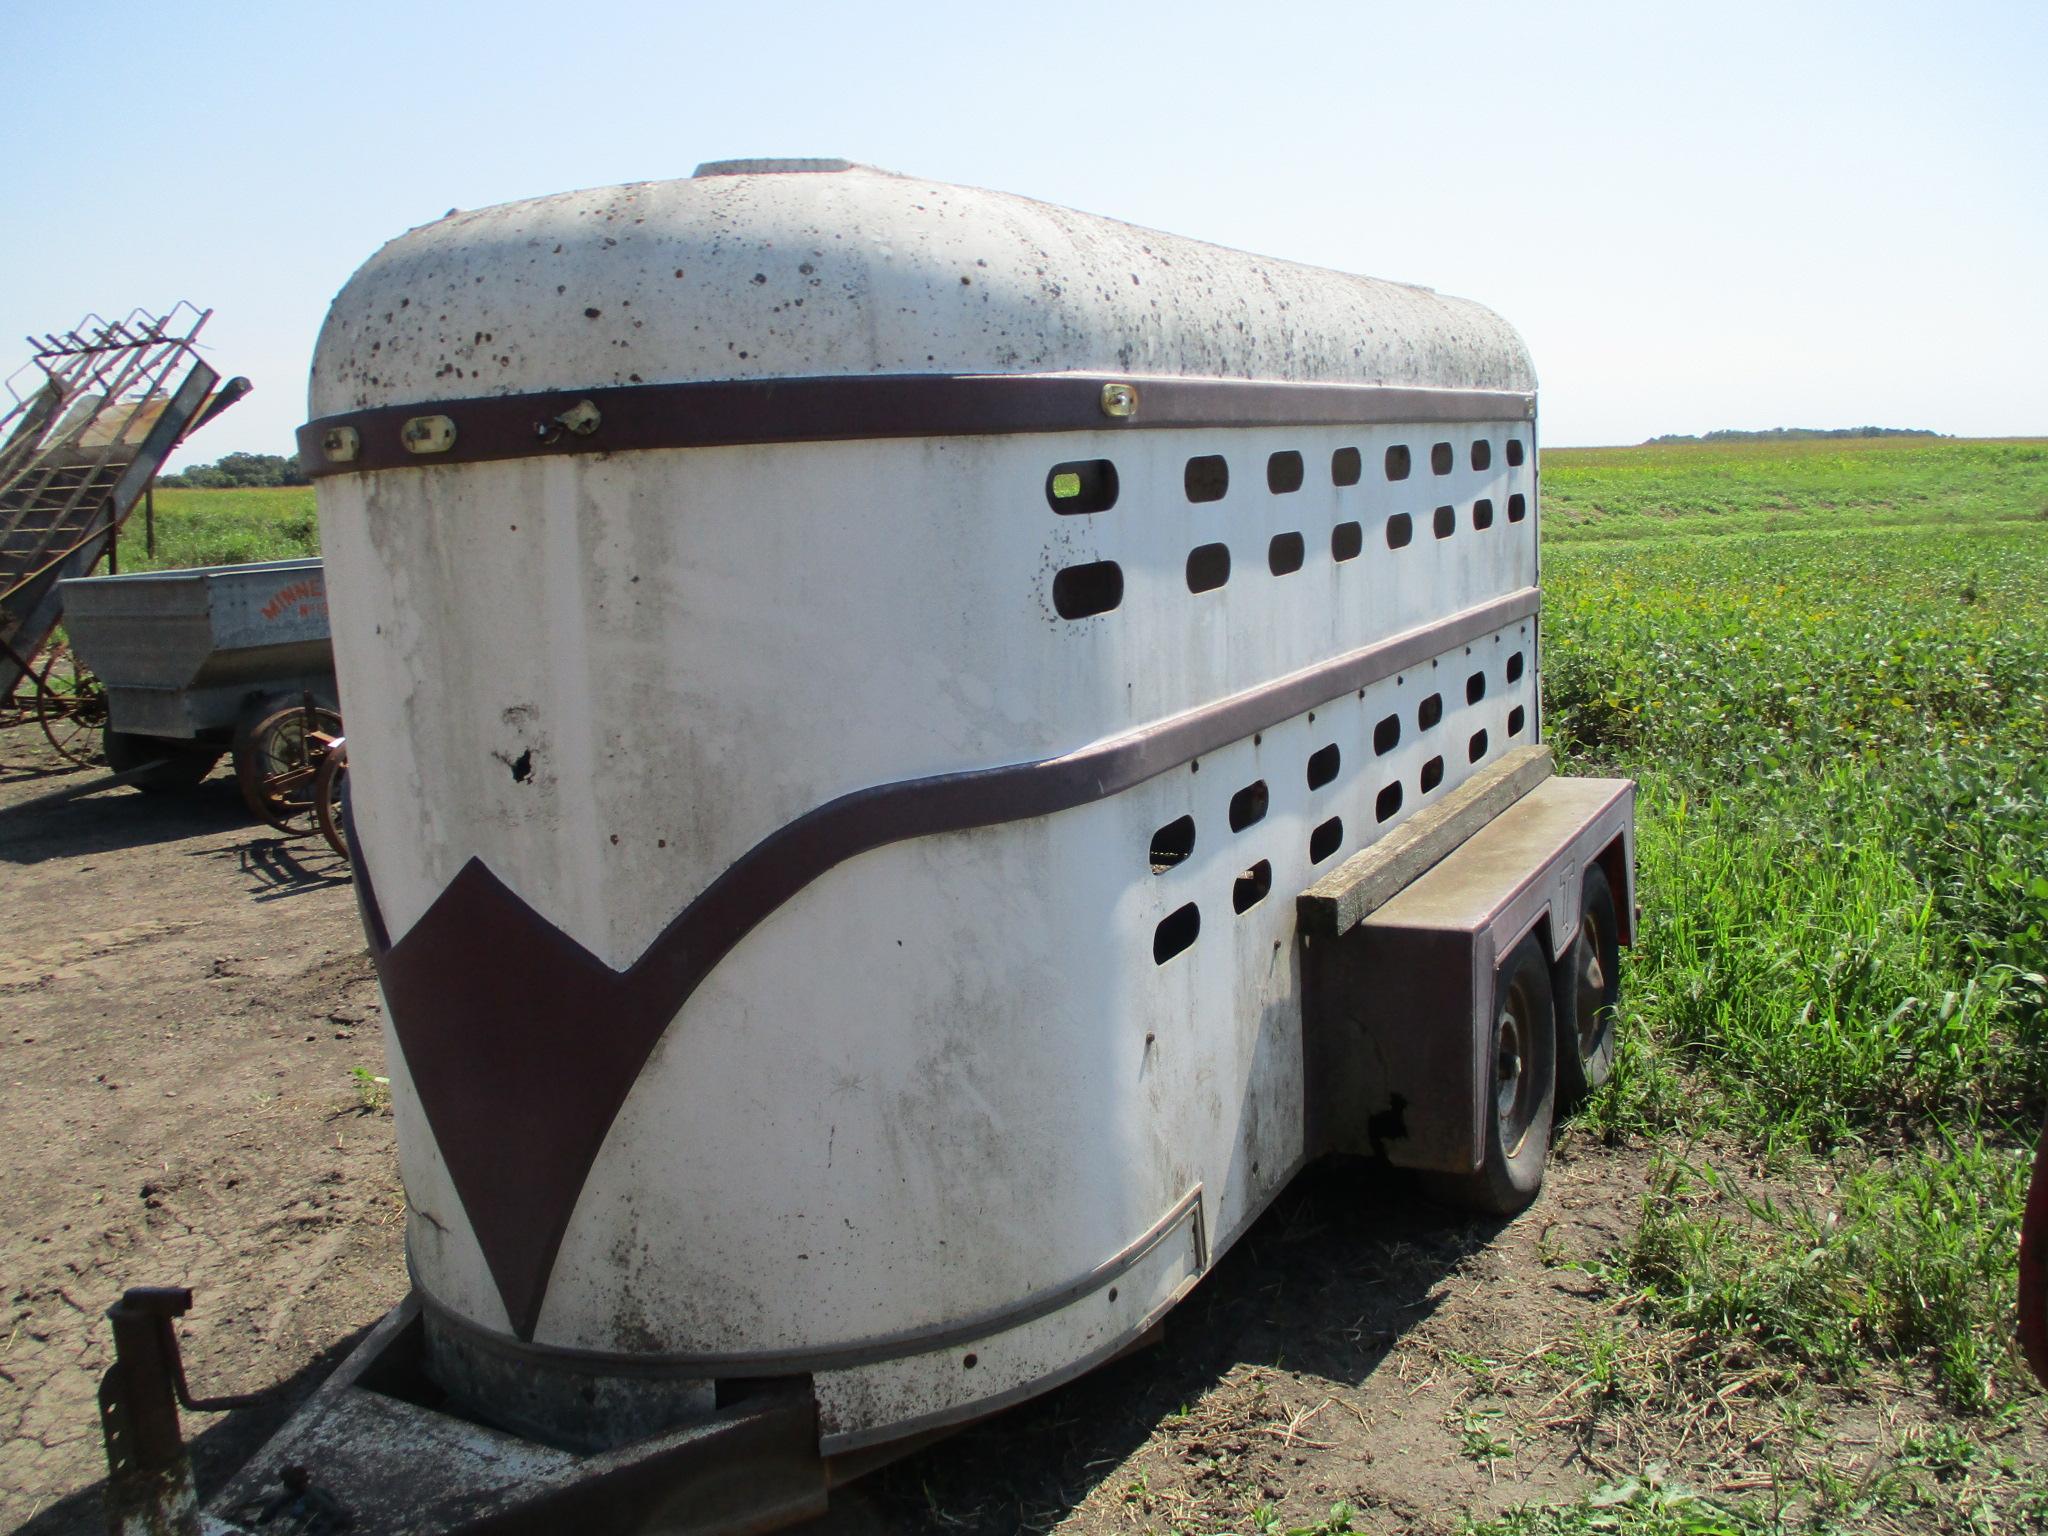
[(238, 469), (1791, 434)]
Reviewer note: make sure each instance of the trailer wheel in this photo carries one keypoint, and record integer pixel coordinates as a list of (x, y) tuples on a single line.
[(1587, 985), (1524, 1049), (180, 764)]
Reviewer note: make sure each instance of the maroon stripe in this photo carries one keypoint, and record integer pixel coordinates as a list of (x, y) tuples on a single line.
[(523, 1045), (722, 413)]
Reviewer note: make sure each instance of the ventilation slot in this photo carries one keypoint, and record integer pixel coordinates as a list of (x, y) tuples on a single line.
[(1482, 454), (1284, 555), (1518, 507), (1397, 462), (1429, 711), (1284, 472), (1176, 931), (1482, 513), (1347, 541), (1475, 687), (1208, 567), (1514, 450), (1322, 765), (1475, 749), (1251, 886), (1400, 529), (1248, 806), (1386, 735), (1326, 840), (1388, 803), (1515, 667), (1346, 466), (1432, 774), (1446, 522), (1086, 486), (1206, 478), (1441, 459), (1172, 844), (1516, 720), (1082, 591)]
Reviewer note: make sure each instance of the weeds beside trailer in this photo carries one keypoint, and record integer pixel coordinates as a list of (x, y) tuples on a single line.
[(861, 692)]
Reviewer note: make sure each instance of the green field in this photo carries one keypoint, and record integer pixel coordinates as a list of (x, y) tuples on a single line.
[(224, 528), (1827, 665), (1692, 488)]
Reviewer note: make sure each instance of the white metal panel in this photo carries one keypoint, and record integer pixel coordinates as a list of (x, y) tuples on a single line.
[(440, 1243), (858, 272), (688, 650), (950, 1074)]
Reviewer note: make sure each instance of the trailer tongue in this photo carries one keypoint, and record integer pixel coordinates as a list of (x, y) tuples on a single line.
[(915, 755)]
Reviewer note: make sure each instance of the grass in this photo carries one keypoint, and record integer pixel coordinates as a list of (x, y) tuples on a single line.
[(373, 1093), (232, 527), (1842, 743), (1910, 1259), (1826, 664), (1843, 750), (1689, 489)]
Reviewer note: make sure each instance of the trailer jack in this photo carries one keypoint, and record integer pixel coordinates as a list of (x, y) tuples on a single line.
[(149, 1477)]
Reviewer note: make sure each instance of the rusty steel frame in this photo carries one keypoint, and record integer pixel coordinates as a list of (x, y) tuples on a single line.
[(79, 447)]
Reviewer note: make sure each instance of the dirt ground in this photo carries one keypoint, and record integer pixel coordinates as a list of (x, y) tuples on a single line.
[(187, 1004), (185, 995)]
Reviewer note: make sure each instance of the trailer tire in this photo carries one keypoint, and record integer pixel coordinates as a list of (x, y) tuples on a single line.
[(1524, 1051), (1587, 986), (180, 764)]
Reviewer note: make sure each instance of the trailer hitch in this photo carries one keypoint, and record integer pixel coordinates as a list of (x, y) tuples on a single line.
[(149, 1477)]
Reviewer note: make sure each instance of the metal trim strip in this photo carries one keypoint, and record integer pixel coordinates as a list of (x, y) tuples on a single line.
[(849, 1441), (731, 412), (794, 1362)]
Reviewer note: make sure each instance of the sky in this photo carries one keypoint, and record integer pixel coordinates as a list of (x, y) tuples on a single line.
[(1700, 216)]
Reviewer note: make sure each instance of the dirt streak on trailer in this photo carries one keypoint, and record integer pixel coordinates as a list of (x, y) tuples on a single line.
[(915, 755)]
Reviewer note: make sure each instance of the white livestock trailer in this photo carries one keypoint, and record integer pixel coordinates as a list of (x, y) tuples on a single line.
[(915, 755)]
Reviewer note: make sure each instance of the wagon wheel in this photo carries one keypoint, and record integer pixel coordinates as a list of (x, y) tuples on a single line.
[(276, 760), (327, 783), (71, 704), (18, 704)]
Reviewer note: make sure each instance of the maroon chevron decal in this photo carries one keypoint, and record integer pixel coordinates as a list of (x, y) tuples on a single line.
[(523, 1045)]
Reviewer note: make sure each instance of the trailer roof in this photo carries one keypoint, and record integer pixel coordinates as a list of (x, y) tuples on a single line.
[(758, 270)]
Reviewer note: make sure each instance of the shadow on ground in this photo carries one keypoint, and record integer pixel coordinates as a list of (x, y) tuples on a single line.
[(120, 819), (46, 772), (277, 867), (1325, 1283), (117, 819)]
